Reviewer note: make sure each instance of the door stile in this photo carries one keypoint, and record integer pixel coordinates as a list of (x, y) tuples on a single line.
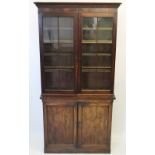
[(75, 125), (79, 127), (76, 47)]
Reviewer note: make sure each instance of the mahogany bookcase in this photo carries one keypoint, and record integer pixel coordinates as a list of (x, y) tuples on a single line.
[(77, 55)]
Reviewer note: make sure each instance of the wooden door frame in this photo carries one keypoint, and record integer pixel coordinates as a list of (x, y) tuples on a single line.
[(59, 147), (99, 14), (42, 14), (94, 148)]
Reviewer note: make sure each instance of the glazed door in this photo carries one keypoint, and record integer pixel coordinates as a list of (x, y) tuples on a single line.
[(59, 52), (60, 125), (96, 52), (94, 126)]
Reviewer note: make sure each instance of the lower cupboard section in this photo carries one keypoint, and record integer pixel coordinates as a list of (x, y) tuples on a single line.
[(77, 126)]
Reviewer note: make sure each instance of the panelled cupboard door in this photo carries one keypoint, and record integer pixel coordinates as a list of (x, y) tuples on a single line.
[(94, 126), (60, 125)]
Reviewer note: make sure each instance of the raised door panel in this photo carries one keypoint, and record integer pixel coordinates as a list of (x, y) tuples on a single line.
[(60, 127), (94, 127)]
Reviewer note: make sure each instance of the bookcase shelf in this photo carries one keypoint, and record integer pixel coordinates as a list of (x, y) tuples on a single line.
[(60, 41), (58, 53), (58, 67), (96, 41), (60, 28), (96, 54), (97, 28), (96, 67)]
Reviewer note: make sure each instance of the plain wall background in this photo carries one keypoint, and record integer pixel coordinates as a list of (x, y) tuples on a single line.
[(35, 111)]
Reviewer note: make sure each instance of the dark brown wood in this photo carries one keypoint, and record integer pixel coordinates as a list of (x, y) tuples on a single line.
[(78, 97), (77, 5), (114, 49), (93, 128), (76, 38), (58, 10), (93, 119), (77, 120), (60, 118), (77, 125), (41, 48), (107, 13)]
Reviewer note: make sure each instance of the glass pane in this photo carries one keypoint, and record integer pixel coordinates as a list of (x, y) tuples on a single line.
[(50, 47), (58, 53), (95, 79), (50, 34), (50, 29), (65, 47), (89, 48), (66, 23), (66, 34), (65, 37), (59, 79), (104, 48), (96, 55), (99, 60), (105, 22), (97, 30), (97, 48), (104, 30), (59, 60), (104, 35), (58, 34), (89, 35), (89, 22), (89, 29)]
